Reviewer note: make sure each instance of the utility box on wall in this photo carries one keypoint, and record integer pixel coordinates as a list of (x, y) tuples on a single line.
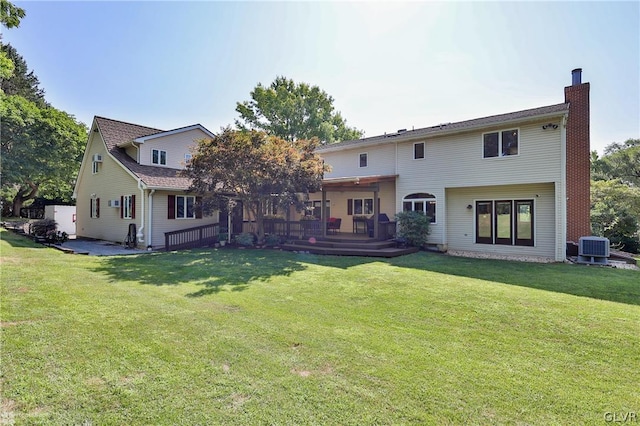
[(65, 217)]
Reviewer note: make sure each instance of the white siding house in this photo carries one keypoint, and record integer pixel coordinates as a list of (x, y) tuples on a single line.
[(130, 175), (493, 185)]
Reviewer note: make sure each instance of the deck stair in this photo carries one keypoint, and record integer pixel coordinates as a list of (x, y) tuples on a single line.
[(343, 247)]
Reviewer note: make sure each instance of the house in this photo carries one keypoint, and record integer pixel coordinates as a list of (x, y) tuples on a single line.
[(130, 176), (515, 184)]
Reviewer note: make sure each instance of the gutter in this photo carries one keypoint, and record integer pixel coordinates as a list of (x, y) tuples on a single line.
[(140, 234)]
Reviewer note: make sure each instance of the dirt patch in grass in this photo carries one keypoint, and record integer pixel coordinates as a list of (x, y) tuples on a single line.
[(5, 324)]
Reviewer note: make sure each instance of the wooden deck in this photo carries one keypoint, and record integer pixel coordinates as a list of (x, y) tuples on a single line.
[(350, 245)]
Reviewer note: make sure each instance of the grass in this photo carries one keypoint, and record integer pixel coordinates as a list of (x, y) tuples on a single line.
[(266, 337)]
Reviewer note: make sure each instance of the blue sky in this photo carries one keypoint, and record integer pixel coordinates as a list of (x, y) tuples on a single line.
[(388, 66)]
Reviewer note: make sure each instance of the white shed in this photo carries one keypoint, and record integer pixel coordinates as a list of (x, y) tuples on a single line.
[(65, 217)]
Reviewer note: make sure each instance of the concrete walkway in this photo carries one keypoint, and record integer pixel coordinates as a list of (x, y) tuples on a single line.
[(99, 248)]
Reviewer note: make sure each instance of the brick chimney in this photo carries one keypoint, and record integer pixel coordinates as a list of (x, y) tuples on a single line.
[(578, 156)]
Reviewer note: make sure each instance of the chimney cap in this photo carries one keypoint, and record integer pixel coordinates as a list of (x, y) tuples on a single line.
[(576, 76)]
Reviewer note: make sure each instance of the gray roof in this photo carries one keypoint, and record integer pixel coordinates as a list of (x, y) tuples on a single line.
[(116, 132), (443, 129)]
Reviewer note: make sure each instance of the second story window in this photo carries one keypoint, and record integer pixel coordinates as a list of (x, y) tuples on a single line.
[(363, 160), (500, 144), (159, 156), (418, 151)]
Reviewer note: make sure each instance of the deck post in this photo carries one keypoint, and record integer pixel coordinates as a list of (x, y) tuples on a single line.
[(323, 213), (376, 225)]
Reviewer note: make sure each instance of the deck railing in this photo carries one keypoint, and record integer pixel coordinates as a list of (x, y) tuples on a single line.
[(206, 235), (198, 236)]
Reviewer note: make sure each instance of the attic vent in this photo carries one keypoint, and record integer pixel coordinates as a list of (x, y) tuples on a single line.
[(97, 158), (593, 250)]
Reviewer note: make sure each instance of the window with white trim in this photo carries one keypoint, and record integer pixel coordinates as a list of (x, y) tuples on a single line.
[(421, 202), (127, 207), (360, 206), (185, 207), (313, 208), (418, 151), (159, 156), (95, 167), (187, 158), (363, 160), (500, 144), (95, 208)]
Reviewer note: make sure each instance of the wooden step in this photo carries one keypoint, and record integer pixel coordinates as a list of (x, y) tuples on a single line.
[(350, 251), (363, 245)]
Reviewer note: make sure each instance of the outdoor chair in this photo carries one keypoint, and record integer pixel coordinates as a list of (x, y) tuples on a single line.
[(333, 225)]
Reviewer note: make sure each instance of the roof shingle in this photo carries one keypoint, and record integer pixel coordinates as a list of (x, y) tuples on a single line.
[(116, 132)]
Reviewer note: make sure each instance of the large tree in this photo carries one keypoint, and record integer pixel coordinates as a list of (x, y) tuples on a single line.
[(255, 168), (21, 81), (294, 111), (620, 161), (41, 149), (615, 194)]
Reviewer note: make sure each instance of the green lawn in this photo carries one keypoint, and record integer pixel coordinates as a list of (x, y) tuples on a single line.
[(265, 337)]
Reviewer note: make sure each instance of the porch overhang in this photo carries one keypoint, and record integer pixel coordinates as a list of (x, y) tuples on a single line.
[(356, 183)]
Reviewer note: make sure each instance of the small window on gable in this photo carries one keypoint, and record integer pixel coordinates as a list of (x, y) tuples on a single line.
[(95, 167), (418, 150), (500, 144), (363, 160), (159, 156)]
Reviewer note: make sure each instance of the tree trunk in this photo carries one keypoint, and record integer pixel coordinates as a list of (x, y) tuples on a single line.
[(23, 195)]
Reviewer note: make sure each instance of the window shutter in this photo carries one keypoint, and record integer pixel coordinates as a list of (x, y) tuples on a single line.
[(97, 207), (171, 207), (133, 206), (91, 201), (198, 207), (350, 207), (121, 206)]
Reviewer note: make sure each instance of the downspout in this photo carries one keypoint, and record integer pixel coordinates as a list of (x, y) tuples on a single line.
[(140, 235), (149, 234), (561, 251)]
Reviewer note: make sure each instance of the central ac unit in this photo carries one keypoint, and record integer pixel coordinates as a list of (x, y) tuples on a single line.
[(593, 250), (97, 158), (114, 203)]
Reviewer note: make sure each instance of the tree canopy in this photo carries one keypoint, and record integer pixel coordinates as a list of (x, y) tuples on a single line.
[(294, 111), (21, 81), (41, 147), (10, 15), (620, 161), (256, 168), (615, 194), (41, 150)]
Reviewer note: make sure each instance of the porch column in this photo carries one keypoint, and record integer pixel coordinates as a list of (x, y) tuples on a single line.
[(323, 213), (376, 225)]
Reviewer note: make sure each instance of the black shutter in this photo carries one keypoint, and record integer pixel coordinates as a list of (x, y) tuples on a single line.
[(350, 207), (133, 207), (171, 207), (121, 206)]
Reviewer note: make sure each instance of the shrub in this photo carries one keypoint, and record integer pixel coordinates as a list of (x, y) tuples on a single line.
[(47, 229), (272, 240), (244, 239), (413, 227)]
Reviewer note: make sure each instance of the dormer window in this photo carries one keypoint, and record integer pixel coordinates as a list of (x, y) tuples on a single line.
[(159, 156)]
